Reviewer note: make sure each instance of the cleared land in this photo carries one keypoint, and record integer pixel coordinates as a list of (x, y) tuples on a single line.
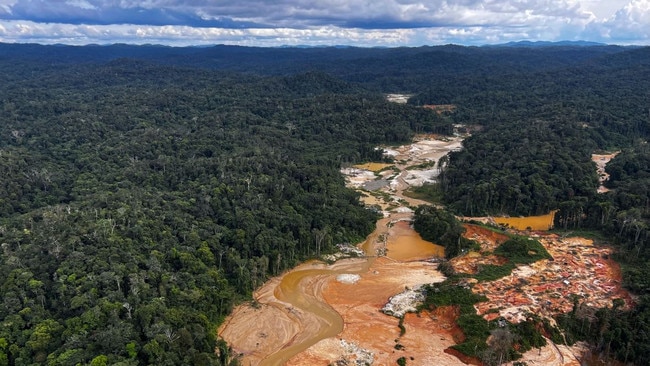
[(308, 317), (601, 161), (546, 287), (319, 314)]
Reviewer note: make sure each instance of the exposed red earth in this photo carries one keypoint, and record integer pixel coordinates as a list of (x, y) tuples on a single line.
[(323, 314), (545, 287)]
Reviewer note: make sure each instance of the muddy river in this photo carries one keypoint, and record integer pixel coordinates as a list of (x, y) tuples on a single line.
[(291, 319), (408, 245), (324, 314)]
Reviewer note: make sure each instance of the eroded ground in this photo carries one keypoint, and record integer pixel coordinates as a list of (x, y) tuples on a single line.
[(547, 287), (319, 314), (601, 161), (374, 334)]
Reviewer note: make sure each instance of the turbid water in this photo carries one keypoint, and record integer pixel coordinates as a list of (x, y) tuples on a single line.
[(297, 326), (373, 167), (541, 222), (408, 245), (295, 299), (403, 245)]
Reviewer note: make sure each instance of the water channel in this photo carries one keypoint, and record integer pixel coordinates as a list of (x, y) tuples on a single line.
[(297, 296)]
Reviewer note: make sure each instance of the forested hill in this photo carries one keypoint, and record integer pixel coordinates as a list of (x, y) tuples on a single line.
[(145, 189), (382, 69), (139, 202)]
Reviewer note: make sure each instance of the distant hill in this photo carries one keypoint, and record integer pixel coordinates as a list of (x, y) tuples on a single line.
[(407, 69), (549, 44)]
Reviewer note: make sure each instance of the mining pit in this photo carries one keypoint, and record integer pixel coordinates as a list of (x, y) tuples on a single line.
[(324, 314)]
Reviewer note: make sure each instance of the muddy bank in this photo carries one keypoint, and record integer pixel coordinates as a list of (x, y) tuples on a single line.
[(315, 306), (318, 313), (370, 329)]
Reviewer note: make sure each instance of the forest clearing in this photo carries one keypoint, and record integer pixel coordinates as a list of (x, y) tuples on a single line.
[(292, 320), (317, 314), (601, 161), (547, 287)]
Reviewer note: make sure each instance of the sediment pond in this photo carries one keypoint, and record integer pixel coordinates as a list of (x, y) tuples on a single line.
[(408, 245), (540, 222)]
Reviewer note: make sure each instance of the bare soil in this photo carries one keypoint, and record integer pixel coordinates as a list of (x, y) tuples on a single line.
[(601, 161), (319, 314), (291, 315), (364, 325)]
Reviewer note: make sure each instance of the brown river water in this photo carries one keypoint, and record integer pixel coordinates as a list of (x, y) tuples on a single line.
[(293, 316), (541, 222), (404, 244), (303, 317), (408, 245)]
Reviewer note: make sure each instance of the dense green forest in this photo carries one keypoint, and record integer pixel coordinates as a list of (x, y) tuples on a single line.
[(139, 202), (144, 190)]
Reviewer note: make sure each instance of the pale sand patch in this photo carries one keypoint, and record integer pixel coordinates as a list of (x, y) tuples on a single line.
[(601, 161), (256, 331), (358, 177), (524, 271), (348, 278), (416, 178)]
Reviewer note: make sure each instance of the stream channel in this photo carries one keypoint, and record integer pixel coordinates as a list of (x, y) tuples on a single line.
[(291, 315)]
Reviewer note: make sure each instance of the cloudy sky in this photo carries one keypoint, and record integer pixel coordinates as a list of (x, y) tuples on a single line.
[(323, 22)]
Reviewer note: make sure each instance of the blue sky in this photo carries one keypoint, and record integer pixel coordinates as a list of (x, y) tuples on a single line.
[(323, 22)]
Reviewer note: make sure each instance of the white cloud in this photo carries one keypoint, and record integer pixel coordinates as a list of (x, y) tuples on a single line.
[(82, 4), (304, 13), (629, 25), (602, 9), (357, 22), (14, 31), (5, 6)]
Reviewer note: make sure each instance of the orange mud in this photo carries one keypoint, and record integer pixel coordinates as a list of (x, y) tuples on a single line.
[(543, 222), (408, 245), (467, 360), (308, 309), (472, 262), (258, 332), (555, 355), (318, 314), (487, 239), (546, 287), (373, 167), (367, 327)]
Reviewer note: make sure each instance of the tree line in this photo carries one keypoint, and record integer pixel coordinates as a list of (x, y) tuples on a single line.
[(146, 190)]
